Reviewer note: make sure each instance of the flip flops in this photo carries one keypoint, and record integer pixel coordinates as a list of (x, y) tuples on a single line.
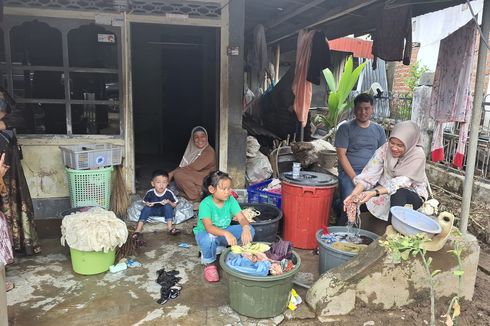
[(173, 231), (211, 273)]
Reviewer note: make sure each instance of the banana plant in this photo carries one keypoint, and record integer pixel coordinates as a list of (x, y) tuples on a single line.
[(338, 97)]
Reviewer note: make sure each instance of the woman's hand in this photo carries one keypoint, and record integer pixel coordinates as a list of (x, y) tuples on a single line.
[(246, 235), (366, 195), (3, 167), (230, 238)]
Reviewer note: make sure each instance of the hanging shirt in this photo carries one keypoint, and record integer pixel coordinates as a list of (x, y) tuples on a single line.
[(392, 39), (319, 59)]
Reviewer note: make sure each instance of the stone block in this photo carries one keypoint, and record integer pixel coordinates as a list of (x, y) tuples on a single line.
[(372, 281)]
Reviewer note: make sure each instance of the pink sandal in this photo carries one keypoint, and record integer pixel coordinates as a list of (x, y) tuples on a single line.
[(211, 273)]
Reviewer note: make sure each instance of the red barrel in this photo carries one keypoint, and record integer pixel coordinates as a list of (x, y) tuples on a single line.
[(306, 203)]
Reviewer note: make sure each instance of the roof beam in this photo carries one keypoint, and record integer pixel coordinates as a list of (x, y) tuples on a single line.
[(293, 13), (349, 8)]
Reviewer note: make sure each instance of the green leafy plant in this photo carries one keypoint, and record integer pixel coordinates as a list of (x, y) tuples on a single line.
[(338, 97), (403, 105), (402, 248)]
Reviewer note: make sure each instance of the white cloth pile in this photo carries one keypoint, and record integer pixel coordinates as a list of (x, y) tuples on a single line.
[(94, 230)]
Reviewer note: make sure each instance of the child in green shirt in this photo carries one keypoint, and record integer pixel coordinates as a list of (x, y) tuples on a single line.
[(213, 228)]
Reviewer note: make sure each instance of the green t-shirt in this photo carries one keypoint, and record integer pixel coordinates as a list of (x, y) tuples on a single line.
[(221, 217)]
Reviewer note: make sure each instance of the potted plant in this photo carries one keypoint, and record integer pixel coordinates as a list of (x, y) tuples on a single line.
[(338, 102)]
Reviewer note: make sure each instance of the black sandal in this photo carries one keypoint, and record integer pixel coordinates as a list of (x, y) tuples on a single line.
[(173, 231), (136, 236)]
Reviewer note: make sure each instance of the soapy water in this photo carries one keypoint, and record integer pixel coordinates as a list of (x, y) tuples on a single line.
[(346, 237)]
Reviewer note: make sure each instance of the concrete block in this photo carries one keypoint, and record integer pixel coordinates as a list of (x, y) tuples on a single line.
[(372, 281), (427, 79)]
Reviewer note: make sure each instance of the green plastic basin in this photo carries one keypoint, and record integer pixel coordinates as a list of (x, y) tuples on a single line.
[(91, 262), (259, 297)]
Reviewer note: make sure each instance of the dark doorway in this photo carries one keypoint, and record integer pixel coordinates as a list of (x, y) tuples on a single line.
[(175, 87)]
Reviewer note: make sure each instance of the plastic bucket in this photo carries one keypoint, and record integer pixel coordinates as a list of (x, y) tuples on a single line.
[(91, 262), (259, 297), (306, 209), (331, 257), (266, 225)]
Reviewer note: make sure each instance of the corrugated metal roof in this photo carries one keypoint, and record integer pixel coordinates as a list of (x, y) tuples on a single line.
[(360, 48), (367, 78)]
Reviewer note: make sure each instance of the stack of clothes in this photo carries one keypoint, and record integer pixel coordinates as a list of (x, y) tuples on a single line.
[(260, 259)]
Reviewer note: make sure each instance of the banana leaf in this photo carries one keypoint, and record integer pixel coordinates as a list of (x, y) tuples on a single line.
[(327, 73)]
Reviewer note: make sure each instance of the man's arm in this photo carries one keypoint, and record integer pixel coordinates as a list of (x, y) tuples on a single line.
[(344, 162)]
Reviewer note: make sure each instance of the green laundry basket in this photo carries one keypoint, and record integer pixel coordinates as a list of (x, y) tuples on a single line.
[(259, 297), (91, 262), (90, 187)]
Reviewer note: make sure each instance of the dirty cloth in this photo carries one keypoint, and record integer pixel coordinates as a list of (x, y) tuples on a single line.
[(451, 99), (169, 287), (319, 59), (392, 39), (15, 200), (280, 250), (349, 247), (195, 165), (258, 165), (302, 88), (94, 230)]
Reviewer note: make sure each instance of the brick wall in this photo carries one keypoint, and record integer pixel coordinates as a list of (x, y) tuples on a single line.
[(402, 72)]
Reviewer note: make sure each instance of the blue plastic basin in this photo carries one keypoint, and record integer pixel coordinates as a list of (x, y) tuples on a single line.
[(409, 222)]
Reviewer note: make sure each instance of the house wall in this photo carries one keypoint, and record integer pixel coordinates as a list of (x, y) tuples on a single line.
[(42, 162)]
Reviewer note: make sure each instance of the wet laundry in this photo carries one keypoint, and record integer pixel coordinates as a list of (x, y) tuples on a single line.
[(279, 250), (170, 289), (250, 248), (243, 265)]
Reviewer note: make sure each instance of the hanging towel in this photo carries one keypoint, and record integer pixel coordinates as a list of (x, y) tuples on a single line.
[(302, 88), (320, 57), (451, 99), (392, 39)]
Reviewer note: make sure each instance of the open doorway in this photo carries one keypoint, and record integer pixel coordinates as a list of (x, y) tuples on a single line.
[(175, 87)]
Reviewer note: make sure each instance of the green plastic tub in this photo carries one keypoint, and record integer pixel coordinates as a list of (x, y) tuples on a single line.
[(91, 262), (259, 297)]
